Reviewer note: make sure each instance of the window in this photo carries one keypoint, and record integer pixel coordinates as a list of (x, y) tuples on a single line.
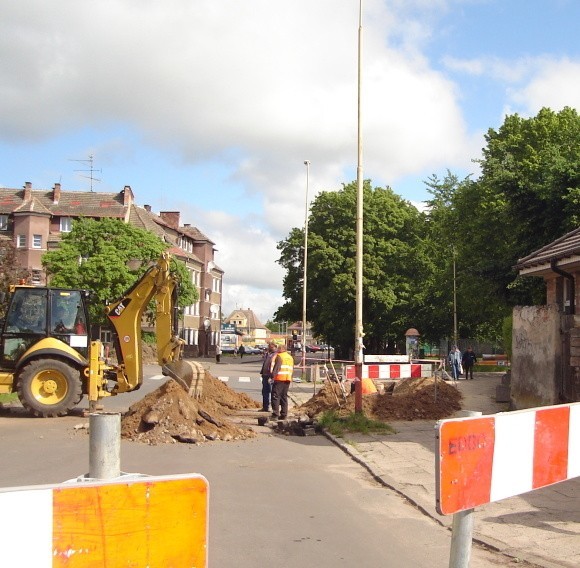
[(65, 224), (195, 277), (3, 222), (36, 241), (21, 241), (36, 277), (217, 285)]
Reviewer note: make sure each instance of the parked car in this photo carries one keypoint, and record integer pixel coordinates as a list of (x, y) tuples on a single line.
[(313, 348), (249, 350)]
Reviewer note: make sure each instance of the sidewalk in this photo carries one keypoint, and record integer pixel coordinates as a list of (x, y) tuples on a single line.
[(541, 527)]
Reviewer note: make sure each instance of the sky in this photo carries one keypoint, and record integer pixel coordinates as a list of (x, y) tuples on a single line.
[(211, 107)]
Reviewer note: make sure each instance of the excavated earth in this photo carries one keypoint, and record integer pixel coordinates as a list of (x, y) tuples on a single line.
[(411, 399), (169, 415)]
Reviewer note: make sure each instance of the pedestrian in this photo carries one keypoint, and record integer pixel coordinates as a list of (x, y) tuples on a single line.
[(455, 362), (241, 351), (218, 353), (282, 375), (468, 361), (266, 374)]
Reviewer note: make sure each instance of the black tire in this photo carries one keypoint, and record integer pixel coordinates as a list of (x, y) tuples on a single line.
[(49, 387)]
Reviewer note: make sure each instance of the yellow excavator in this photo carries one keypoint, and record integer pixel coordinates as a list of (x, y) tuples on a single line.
[(48, 358)]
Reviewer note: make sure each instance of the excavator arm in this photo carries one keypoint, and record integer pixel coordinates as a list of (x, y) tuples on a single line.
[(126, 315)]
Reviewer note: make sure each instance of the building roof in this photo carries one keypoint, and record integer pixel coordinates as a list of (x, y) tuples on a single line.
[(249, 316), (65, 203), (565, 251)]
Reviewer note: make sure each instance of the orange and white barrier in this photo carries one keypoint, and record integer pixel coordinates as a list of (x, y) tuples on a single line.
[(485, 459), (388, 371), (154, 521)]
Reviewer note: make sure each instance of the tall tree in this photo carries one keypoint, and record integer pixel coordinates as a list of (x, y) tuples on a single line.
[(95, 256), (394, 262)]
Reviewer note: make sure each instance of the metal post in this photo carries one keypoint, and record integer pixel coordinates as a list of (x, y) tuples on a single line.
[(455, 338), (462, 526), (104, 446), (358, 332), (307, 164)]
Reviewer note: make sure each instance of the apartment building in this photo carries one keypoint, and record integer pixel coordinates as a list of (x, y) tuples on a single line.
[(36, 219)]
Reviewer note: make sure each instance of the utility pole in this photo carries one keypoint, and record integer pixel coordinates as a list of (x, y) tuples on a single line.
[(358, 333), (307, 164)]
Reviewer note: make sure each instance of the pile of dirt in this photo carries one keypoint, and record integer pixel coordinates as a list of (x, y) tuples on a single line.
[(169, 415), (412, 399)]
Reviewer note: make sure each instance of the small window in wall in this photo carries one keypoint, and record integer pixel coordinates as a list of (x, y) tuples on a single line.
[(36, 241), (217, 285), (36, 277), (21, 241), (65, 224), (3, 222)]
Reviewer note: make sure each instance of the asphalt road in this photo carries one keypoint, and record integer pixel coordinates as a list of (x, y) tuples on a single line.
[(283, 501)]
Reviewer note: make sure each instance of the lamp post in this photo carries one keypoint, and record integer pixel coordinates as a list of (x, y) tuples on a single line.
[(358, 331), (303, 363), (455, 338)]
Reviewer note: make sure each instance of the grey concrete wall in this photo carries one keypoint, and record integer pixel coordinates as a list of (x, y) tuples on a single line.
[(536, 356)]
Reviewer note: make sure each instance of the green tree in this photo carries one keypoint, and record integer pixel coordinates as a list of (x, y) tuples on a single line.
[(394, 259), (10, 272), (527, 196), (95, 256)]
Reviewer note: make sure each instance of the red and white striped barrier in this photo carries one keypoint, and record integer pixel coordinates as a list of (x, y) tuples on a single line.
[(391, 370), (485, 459), (154, 521)]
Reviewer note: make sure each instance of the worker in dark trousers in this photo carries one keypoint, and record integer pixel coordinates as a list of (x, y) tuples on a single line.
[(468, 361), (266, 374), (282, 375)]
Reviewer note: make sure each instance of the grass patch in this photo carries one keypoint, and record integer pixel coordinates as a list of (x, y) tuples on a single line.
[(12, 397), (354, 422)]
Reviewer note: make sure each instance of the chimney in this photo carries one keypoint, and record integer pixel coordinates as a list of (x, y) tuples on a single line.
[(186, 225), (128, 196), (147, 208), (27, 191), (56, 193), (171, 218)]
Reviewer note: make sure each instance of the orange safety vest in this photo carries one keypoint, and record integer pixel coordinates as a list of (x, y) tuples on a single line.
[(286, 368)]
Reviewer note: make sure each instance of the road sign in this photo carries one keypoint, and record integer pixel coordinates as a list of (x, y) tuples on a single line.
[(485, 459), (147, 521)]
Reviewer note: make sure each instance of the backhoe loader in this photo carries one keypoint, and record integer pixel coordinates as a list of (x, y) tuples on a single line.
[(48, 358)]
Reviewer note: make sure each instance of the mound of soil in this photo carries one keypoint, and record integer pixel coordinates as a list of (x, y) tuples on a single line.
[(412, 399), (169, 415)]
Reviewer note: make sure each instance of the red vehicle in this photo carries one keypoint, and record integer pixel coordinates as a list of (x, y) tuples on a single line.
[(313, 348)]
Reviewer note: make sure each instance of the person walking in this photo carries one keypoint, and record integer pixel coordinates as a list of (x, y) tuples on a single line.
[(468, 361), (266, 374), (282, 375), (241, 351), (218, 353), (455, 362)]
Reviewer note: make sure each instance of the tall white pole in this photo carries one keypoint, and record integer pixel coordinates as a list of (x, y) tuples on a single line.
[(307, 164), (359, 334), (455, 337)]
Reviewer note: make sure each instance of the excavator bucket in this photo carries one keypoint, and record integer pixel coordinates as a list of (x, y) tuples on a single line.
[(189, 374)]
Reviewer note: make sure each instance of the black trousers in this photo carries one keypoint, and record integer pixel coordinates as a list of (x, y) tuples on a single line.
[(266, 390), (468, 369), (280, 398)]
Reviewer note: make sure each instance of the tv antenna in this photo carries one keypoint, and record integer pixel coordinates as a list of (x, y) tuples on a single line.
[(91, 170)]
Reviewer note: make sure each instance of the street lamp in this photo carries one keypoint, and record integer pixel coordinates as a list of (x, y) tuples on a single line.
[(358, 332), (307, 164)]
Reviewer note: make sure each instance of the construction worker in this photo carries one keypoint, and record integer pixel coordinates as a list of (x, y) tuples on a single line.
[(266, 374), (282, 375)]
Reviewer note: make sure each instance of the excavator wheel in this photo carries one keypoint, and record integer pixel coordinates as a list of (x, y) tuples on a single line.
[(49, 388)]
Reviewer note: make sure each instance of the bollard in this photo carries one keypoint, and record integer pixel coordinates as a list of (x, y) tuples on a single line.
[(462, 527), (104, 446)]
